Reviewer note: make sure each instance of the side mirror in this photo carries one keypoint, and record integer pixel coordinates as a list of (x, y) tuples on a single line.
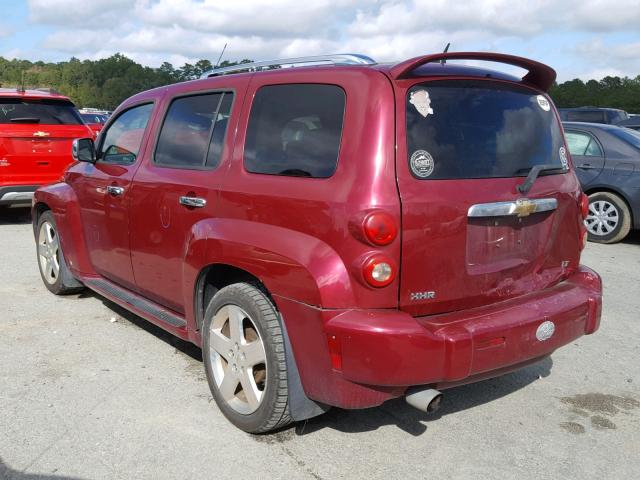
[(84, 150)]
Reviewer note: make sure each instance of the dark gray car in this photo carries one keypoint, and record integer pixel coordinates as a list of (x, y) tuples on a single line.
[(607, 161)]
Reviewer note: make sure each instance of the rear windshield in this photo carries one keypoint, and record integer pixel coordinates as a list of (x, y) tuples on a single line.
[(480, 129), (629, 136), (41, 111)]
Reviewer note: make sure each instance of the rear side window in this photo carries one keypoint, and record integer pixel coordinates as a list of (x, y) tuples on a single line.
[(40, 111), (295, 130), (582, 144), (479, 129), (193, 132)]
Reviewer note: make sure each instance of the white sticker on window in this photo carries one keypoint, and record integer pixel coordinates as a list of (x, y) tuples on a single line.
[(544, 103), (422, 164), (563, 157), (420, 99)]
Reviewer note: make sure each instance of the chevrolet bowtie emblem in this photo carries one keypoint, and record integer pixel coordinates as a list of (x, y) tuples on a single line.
[(524, 207), (41, 134)]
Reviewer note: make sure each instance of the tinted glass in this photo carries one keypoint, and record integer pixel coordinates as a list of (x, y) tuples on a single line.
[(479, 129), (629, 136), (295, 130), (591, 117), (45, 112), (582, 144), (121, 142), (193, 131), (93, 118), (618, 116)]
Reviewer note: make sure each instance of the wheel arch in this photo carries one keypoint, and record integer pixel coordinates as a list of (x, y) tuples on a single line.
[(213, 278), (36, 212), (61, 200)]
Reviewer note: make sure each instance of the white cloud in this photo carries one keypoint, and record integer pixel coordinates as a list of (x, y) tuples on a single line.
[(603, 59), (79, 13), (152, 31)]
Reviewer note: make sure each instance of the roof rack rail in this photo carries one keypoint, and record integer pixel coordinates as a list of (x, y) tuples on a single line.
[(49, 90), (336, 59)]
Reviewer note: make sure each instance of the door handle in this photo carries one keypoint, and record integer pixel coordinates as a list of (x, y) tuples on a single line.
[(193, 202), (115, 191)]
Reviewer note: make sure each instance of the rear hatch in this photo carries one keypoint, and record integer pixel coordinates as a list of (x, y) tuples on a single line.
[(35, 139), (469, 237)]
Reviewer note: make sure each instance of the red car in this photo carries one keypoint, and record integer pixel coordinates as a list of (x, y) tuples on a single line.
[(36, 131), (336, 234)]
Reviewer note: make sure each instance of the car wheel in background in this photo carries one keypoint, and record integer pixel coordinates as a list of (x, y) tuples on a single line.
[(244, 358), (53, 268), (609, 219)]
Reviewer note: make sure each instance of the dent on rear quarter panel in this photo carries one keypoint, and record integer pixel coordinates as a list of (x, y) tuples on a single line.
[(62, 201)]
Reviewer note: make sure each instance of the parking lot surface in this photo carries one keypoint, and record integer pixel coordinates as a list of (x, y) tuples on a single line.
[(90, 391)]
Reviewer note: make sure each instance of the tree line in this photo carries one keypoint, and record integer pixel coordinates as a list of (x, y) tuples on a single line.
[(106, 82), (103, 83)]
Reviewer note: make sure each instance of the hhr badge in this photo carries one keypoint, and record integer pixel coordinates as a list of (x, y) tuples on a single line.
[(545, 330), (422, 296)]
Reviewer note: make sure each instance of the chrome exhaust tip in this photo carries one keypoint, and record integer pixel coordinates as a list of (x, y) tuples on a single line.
[(426, 400)]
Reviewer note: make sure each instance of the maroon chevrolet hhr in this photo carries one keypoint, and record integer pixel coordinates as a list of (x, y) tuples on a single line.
[(333, 231)]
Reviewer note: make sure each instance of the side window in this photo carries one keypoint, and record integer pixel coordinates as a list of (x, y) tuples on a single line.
[(121, 141), (593, 149), (295, 130), (583, 144), (193, 132)]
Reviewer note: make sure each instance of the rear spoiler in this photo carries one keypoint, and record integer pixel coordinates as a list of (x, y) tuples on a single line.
[(539, 75)]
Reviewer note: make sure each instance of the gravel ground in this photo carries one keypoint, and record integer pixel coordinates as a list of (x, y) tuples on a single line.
[(90, 391)]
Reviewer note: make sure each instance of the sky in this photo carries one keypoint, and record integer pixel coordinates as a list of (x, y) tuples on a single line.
[(579, 38)]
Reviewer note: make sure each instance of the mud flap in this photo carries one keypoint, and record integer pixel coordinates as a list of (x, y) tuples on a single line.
[(301, 407)]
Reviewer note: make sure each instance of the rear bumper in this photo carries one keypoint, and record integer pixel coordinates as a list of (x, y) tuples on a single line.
[(384, 351), (17, 194)]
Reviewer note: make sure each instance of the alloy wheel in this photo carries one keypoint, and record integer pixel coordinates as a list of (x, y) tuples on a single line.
[(238, 359), (49, 253)]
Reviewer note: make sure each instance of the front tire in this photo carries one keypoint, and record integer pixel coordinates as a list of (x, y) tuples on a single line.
[(51, 263), (244, 359), (609, 218)]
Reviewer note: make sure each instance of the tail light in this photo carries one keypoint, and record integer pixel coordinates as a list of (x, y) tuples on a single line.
[(380, 228), (379, 271)]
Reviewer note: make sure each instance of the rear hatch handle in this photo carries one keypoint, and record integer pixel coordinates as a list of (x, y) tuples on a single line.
[(525, 186)]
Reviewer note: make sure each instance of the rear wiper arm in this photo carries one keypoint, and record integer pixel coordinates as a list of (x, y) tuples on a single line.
[(525, 186), (25, 120)]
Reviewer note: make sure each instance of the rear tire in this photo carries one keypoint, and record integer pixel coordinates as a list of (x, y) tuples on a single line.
[(609, 218), (244, 358), (53, 268)]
